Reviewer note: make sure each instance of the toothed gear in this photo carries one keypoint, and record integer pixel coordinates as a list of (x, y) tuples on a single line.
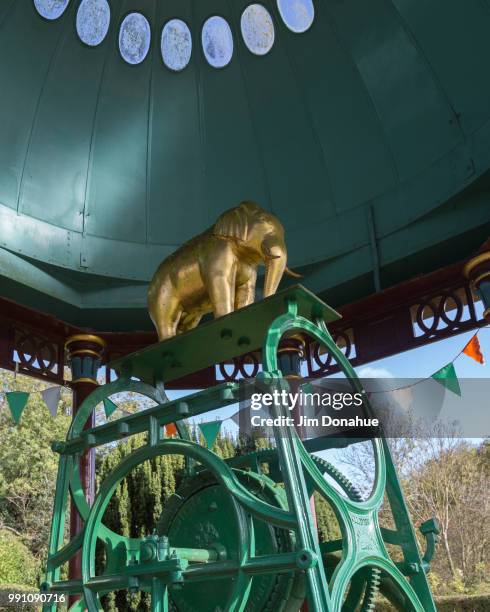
[(200, 514), (285, 592), (372, 590), (328, 468)]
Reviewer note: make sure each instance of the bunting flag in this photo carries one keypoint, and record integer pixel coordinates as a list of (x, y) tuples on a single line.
[(109, 407), (446, 377), (170, 429), (473, 350), (242, 416), (51, 398), (210, 432), (17, 401)]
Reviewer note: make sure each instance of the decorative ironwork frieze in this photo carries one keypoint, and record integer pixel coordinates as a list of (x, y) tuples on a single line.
[(407, 316), (432, 317), (244, 366), (36, 355)]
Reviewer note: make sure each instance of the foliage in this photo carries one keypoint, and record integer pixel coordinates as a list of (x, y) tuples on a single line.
[(28, 466), (151, 484), (454, 487), (447, 478), (17, 564), (461, 603), (328, 526), (8, 589)]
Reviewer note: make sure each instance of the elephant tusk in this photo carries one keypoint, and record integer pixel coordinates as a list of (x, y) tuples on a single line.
[(293, 274)]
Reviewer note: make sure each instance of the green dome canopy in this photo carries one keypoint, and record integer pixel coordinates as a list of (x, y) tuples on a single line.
[(368, 130)]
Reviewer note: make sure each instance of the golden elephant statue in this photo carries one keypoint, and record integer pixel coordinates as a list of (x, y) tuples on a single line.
[(217, 270)]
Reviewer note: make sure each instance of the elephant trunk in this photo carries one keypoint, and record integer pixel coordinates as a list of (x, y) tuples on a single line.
[(275, 264)]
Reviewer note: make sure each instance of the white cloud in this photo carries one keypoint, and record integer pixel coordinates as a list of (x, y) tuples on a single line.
[(370, 372)]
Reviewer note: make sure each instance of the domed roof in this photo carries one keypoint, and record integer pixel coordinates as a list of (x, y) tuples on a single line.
[(128, 127)]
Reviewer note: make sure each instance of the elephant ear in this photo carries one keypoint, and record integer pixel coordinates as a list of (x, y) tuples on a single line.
[(232, 224)]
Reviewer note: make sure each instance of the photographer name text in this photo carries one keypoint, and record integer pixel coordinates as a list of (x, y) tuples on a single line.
[(291, 401)]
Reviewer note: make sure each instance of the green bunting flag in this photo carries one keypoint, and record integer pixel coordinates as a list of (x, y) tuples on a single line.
[(446, 377), (210, 431), (109, 407), (17, 401)]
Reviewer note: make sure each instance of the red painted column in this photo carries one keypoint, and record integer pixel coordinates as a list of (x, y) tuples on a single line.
[(84, 356)]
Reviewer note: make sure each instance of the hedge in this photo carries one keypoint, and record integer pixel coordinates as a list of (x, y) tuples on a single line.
[(7, 589), (459, 603), (17, 565)]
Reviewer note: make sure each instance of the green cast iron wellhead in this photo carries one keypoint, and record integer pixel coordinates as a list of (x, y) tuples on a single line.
[(128, 127), (203, 514)]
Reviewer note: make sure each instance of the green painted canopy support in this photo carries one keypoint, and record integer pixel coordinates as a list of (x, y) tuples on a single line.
[(267, 547)]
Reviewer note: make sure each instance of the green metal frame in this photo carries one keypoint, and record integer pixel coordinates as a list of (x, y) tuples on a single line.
[(152, 564)]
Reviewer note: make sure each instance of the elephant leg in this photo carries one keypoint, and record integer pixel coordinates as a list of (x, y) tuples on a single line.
[(222, 295), (188, 322), (218, 270), (245, 293), (166, 314)]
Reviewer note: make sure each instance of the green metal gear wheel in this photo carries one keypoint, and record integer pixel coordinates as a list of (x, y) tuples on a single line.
[(202, 514), (366, 585), (364, 591)]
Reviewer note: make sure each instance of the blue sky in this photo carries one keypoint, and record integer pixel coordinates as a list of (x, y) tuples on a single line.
[(418, 363), (424, 361), (421, 362)]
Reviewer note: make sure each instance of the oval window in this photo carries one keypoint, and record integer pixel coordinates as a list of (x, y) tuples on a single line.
[(298, 15), (134, 38), (51, 9), (93, 19), (217, 41), (176, 44), (257, 29)]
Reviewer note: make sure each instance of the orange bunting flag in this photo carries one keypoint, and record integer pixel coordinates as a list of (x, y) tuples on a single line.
[(170, 429), (473, 350)]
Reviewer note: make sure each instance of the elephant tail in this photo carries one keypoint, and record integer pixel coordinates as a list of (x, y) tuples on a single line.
[(293, 274)]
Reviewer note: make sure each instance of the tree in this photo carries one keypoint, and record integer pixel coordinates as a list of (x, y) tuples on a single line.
[(454, 487), (139, 499), (448, 478), (28, 466), (136, 505)]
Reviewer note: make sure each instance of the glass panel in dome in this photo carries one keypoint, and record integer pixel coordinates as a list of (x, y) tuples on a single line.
[(257, 29), (217, 41), (93, 19), (176, 44), (297, 14), (51, 9), (134, 38)]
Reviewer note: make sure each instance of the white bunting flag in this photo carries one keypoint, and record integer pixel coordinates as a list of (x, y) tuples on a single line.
[(51, 398)]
